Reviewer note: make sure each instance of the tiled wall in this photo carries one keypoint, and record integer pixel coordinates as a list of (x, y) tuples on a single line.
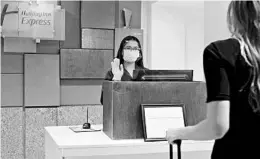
[(55, 82)]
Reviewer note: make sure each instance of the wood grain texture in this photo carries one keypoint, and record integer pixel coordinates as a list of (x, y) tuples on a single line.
[(72, 23), (41, 78), (122, 112), (191, 94), (97, 39), (121, 33), (12, 63), (98, 14), (12, 89), (108, 122), (135, 7), (80, 63), (48, 47), (22, 45)]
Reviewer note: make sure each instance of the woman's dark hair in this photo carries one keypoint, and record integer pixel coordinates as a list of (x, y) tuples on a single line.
[(243, 19), (139, 61)]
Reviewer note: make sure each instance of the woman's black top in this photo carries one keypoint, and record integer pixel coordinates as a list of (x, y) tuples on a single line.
[(126, 77), (228, 77)]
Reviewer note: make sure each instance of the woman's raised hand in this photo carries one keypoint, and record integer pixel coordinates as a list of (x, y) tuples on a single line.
[(116, 69)]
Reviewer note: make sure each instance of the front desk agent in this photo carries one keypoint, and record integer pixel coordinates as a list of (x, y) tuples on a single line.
[(129, 58)]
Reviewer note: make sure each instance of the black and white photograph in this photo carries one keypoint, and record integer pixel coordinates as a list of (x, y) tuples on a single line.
[(130, 79)]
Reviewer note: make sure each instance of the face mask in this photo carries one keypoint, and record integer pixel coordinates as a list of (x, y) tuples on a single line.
[(131, 55)]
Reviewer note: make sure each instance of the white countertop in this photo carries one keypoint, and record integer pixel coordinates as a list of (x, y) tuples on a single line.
[(65, 138)]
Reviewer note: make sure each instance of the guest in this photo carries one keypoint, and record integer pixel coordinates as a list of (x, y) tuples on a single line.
[(232, 73)]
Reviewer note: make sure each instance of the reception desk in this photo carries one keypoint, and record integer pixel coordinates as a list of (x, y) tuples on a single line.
[(62, 143), (122, 117)]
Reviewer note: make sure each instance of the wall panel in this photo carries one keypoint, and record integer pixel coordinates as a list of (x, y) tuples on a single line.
[(48, 47), (22, 45), (72, 23), (135, 7), (12, 89), (98, 14), (81, 63), (42, 82), (12, 63), (97, 38), (80, 95)]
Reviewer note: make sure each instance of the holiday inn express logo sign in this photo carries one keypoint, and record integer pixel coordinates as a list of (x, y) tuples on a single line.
[(35, 20)]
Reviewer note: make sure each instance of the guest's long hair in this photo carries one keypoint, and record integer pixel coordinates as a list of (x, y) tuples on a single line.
[(243, 19)]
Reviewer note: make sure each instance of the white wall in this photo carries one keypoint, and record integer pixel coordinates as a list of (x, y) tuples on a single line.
[(168, 38), (177, 36), (180, 31), (215, 20)]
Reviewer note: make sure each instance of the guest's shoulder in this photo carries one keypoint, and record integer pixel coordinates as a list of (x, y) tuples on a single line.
[(229, 43), (223, 48)]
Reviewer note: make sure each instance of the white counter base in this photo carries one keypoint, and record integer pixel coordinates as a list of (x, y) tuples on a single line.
[(63, 143)]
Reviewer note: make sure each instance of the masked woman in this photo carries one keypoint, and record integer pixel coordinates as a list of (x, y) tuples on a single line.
[(129, 58)]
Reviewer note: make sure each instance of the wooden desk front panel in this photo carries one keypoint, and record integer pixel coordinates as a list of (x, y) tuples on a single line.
[(122, 116)]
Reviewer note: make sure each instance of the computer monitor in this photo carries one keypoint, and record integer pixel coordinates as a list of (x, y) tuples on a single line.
[(163, 75)]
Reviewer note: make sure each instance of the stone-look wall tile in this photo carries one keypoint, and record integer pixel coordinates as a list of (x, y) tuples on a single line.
[(98, 14), (12, 133), (36, 120), (97, 38), (83, 63), (95, 114), (72, 115)]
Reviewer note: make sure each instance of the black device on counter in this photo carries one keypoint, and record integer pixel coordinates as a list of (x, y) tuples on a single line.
[(163, 75), (86, 125)]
